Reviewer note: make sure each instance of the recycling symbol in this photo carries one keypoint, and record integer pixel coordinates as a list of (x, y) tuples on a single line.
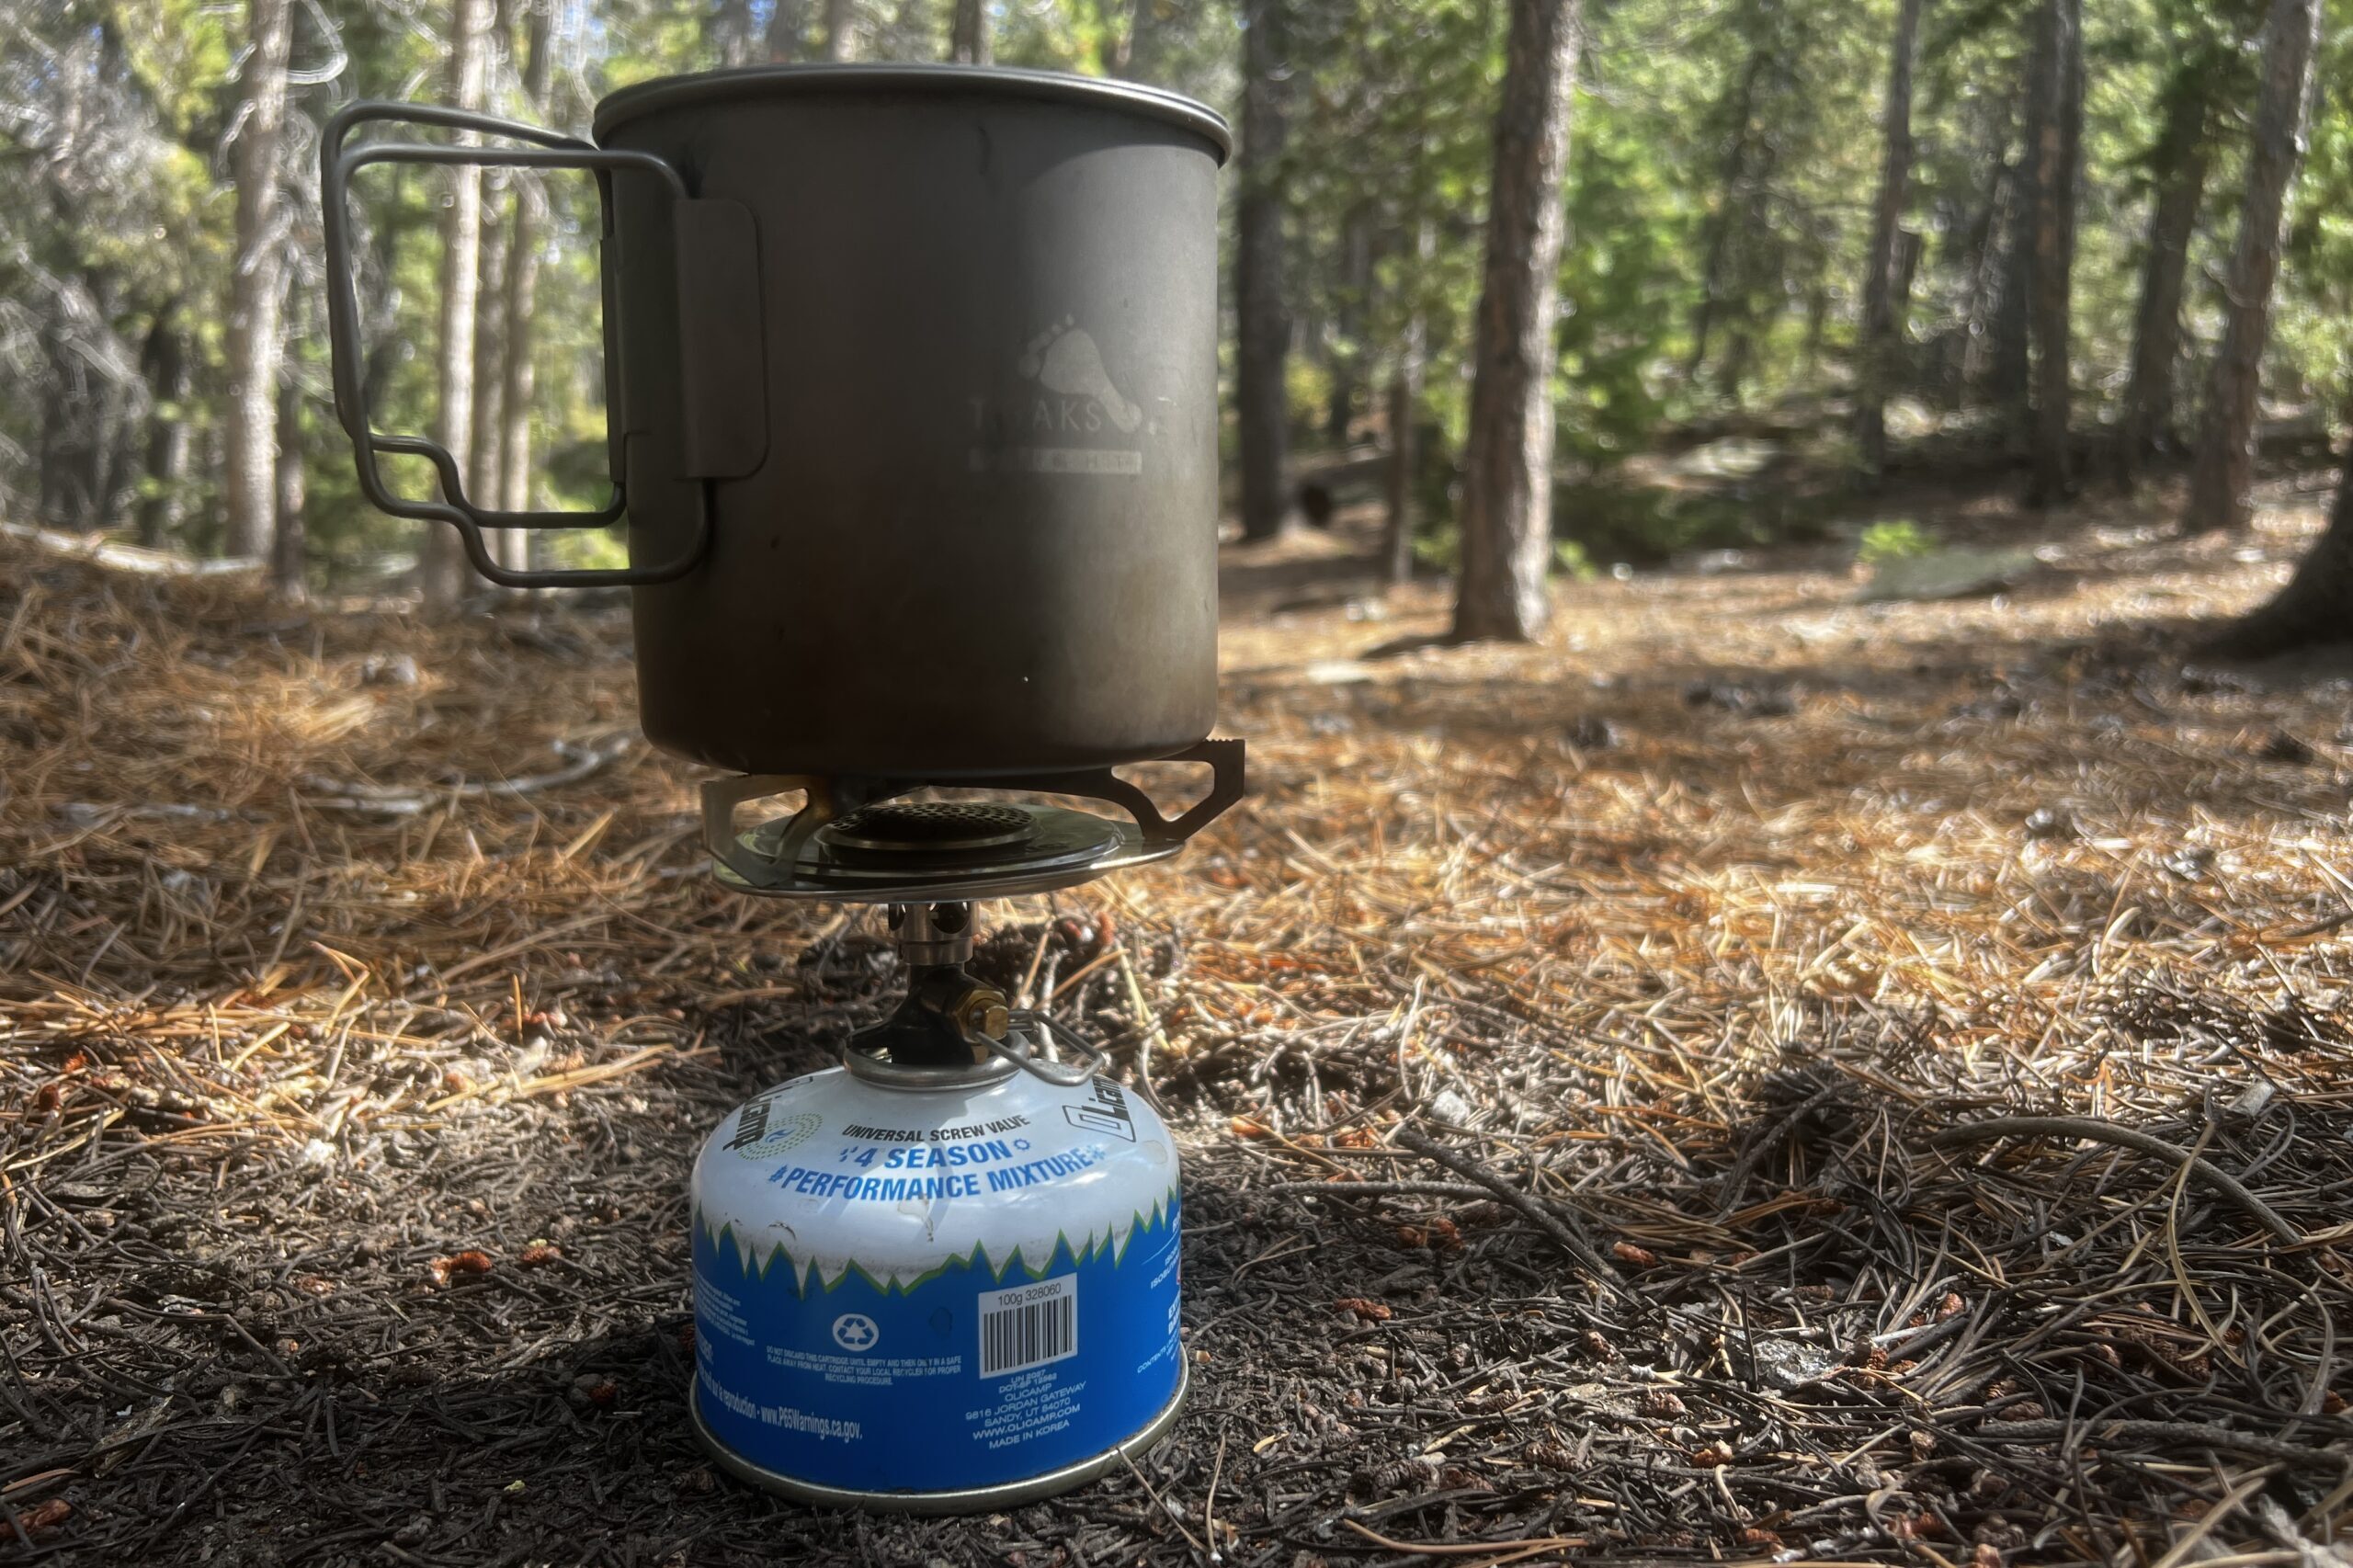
[(856, 1331)]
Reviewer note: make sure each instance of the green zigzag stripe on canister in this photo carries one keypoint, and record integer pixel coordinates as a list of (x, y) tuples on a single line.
[(1116, 1239)]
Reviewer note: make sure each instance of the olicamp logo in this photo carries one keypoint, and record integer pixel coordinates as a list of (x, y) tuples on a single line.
[(1072, 417), (762, 1135), (1105, 1111)]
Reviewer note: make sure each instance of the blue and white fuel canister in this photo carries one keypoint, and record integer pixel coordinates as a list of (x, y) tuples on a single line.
[(947, 1296)]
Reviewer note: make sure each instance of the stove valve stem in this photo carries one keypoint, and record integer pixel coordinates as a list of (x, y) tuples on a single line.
[(982, 1011)]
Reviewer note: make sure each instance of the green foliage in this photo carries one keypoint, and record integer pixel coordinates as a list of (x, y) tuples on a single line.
[(1439, 549), (1307, 390), (1786, 156), (1895, 539), (1630, 233), (1645, 525), (1570, 559)]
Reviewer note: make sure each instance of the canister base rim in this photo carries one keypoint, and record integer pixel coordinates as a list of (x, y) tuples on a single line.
[(964, 1500)]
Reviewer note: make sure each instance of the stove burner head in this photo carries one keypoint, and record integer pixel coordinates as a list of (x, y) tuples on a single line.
[(906, 851), (859, 839), (933, 827)]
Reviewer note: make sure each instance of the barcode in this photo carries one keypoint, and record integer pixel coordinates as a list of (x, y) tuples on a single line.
[(1029, 1326)]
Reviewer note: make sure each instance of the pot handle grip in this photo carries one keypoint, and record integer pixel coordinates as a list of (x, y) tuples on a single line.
[(337, 165)]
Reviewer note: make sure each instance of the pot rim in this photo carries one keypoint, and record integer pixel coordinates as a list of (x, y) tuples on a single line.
[(755, 81)]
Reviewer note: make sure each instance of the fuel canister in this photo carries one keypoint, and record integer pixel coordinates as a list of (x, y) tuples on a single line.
[(935, 1291)]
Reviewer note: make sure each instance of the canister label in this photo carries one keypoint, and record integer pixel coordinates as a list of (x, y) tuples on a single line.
[(979, 1372)]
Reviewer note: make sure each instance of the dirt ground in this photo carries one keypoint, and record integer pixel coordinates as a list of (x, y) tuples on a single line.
[(1590, 1062)]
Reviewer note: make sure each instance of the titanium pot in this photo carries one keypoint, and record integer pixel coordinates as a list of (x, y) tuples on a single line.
[(912, 410)]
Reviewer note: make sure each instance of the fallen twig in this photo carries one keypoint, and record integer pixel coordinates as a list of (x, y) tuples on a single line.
[(2176, 1434), (1166, 1510), (1751, 1158), (1379, 1190), (1497, 1552), (412, 801), (2093, 1129), (576, 1078), (1552, 1225)]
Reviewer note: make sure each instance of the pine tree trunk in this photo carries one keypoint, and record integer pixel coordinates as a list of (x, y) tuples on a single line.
[(254, 341), (1401, 478), (164, 359), (1347, 321), (1817, 321), (63, 487), (1910, 248), (288, 545), (485, 459), (110, 454), (968, 33), (1879, 327), (1139, 56), (1739, 356), (65, 459), (1398, 475), (732, 28), (522, 293), (1983, 269), (2317, 607), (1508, 456), (444, 573), (520, 381), (2057, 147), (485, 473), (839, 20), (2224, 473), (785, 26), (119, 477), (1263, 320), (1731, 369), (387, 343), (2182, 158), (1720, 222), (2008, 380), (2013, 385)]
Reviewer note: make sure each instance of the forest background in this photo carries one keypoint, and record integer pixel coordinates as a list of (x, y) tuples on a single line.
[(2091, 243)]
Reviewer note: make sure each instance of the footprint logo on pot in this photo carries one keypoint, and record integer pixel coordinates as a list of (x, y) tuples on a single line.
[(1065, 359), (1059, 412)]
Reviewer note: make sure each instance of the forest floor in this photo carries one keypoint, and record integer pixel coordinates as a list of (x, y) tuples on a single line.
[(346, 1105)]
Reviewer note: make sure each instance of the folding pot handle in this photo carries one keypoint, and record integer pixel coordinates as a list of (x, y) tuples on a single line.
[(734, 248)]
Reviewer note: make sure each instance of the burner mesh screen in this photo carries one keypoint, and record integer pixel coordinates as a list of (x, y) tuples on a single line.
[(931, 826)]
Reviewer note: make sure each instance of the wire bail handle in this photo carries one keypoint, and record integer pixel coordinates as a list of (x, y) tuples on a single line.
[(717, 252)]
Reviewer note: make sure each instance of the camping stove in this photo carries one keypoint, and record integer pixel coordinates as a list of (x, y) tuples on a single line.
[(863, 406), (941, 1277)]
